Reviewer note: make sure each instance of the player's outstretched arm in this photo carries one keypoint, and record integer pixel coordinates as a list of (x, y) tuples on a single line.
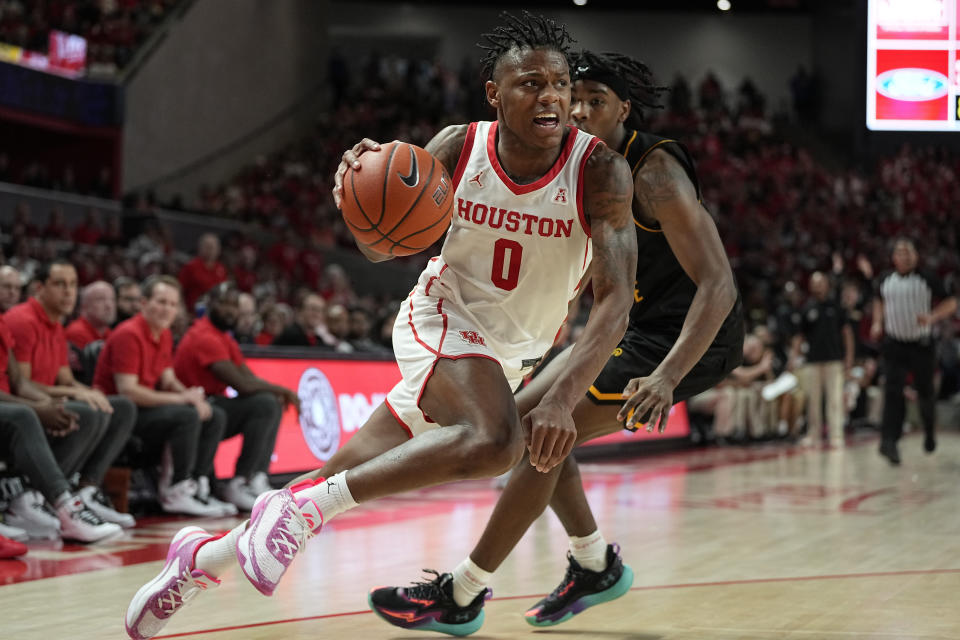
[(667, 195), (607, 198), (445, 147)]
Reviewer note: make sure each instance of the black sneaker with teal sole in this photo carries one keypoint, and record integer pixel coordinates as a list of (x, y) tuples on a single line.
[(582, 589), (428, 606)]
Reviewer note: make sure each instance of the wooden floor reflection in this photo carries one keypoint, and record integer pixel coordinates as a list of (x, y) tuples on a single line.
[(740, 543)]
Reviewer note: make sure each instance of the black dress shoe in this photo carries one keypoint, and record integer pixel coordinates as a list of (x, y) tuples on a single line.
[(889, 451), (929, 443)]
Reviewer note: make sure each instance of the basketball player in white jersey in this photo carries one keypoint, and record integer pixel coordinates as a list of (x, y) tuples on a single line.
[(535, 201)]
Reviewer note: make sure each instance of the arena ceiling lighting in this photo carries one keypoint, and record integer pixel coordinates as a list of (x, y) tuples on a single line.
[(580, 3), (723, 5)]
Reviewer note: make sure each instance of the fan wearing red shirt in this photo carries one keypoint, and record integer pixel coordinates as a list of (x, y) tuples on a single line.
[(203, 272), (209, 357), (98, 310), (41, 352), (26, 414), (137, 361)]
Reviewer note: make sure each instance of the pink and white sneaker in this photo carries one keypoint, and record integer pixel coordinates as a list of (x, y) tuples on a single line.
[(280, 525), (178, 583)]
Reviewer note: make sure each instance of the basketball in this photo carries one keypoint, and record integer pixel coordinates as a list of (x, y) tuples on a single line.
[(399, 202)]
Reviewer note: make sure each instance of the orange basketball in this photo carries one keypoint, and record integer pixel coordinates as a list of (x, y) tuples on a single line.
[(400, 200)]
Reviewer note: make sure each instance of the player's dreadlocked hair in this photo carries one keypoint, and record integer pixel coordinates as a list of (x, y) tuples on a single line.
[(526, 32), (630, 79)]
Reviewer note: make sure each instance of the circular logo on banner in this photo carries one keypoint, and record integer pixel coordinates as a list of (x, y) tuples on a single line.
[(319, 417), (914, 85)]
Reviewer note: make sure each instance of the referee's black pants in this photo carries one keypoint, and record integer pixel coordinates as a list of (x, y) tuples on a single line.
[(899, 359)]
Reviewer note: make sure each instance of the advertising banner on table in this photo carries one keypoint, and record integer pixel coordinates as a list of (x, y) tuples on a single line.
[(337, 397)]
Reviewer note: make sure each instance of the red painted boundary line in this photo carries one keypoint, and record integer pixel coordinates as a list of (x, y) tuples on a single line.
[(657, 587)]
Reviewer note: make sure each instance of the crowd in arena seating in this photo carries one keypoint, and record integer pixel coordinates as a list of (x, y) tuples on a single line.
[(782, 216), (113, 28)]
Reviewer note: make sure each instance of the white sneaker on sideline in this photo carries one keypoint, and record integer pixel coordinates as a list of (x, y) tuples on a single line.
[(98, 503), (205, 496), (29, 512), (260, 483), (181, 498), (240, 493), (13, 533), (77, 522)]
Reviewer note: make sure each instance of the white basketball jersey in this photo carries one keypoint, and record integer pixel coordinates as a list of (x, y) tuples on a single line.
[(514, 254)]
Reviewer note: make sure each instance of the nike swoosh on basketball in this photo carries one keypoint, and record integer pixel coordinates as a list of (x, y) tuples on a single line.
[(412, 178)]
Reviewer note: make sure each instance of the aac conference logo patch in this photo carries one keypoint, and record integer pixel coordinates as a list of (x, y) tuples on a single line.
[(911, 84), (319, 416)]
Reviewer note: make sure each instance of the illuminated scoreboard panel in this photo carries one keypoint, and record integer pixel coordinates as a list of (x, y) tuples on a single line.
[(912, 65)]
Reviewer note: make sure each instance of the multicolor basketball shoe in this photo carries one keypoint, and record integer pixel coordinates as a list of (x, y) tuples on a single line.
[(581, 589), (178, 583), (280, 525), (429, 606)]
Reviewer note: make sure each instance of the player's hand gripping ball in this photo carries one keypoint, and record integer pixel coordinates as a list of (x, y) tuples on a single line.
[(399, 202)]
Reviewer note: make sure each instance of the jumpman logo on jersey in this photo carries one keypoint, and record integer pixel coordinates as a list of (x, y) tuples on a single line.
[(476, 179)]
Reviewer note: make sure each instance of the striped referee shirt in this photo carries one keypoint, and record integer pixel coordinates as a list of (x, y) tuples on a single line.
[(904, 297)]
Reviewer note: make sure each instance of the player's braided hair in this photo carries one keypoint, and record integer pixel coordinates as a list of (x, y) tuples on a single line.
[(637, 79), (525, 32)]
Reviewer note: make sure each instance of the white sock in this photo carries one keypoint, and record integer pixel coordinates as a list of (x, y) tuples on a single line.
[(216, 556), (468, 581), (590, 551), (332, 496)]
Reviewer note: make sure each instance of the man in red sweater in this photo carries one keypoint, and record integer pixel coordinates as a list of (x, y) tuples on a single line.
[(98, 310), (41, 352), (209, 357), (204, 271), (137, 361)]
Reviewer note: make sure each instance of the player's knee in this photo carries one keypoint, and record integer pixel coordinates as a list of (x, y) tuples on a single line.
[(489, 452)]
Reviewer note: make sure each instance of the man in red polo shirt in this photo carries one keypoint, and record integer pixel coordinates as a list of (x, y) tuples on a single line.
[(204, 271), (41, 353), (26, 415), (98, 310), (209, 357), (137, 361)]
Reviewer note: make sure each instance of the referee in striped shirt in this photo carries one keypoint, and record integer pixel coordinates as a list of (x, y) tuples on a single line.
[(904, 314)]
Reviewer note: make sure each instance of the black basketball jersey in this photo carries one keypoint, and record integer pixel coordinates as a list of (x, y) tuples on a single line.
[(663, 291)]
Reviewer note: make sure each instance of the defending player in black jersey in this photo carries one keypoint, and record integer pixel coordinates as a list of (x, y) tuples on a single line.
[(685, 335)]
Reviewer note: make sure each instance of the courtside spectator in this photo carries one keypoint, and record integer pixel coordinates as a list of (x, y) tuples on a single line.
[(41, 350), (129, 298), (98, 312), (359, 336), (11, 288), (209, 357), (137, 361), (203, 272), (275, 319), (30, 420), (246, 329), (309, 326), (338, 324)]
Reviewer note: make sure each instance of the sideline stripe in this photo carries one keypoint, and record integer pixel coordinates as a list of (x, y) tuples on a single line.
[(840, 576)]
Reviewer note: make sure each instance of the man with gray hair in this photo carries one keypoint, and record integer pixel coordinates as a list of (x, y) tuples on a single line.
[(98, 311), (11, 288)]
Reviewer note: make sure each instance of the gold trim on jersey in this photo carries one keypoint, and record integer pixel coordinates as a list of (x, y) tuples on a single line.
[(626, 149)]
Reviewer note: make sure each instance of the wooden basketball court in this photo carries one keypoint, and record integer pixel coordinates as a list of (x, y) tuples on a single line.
[(737, 543)]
